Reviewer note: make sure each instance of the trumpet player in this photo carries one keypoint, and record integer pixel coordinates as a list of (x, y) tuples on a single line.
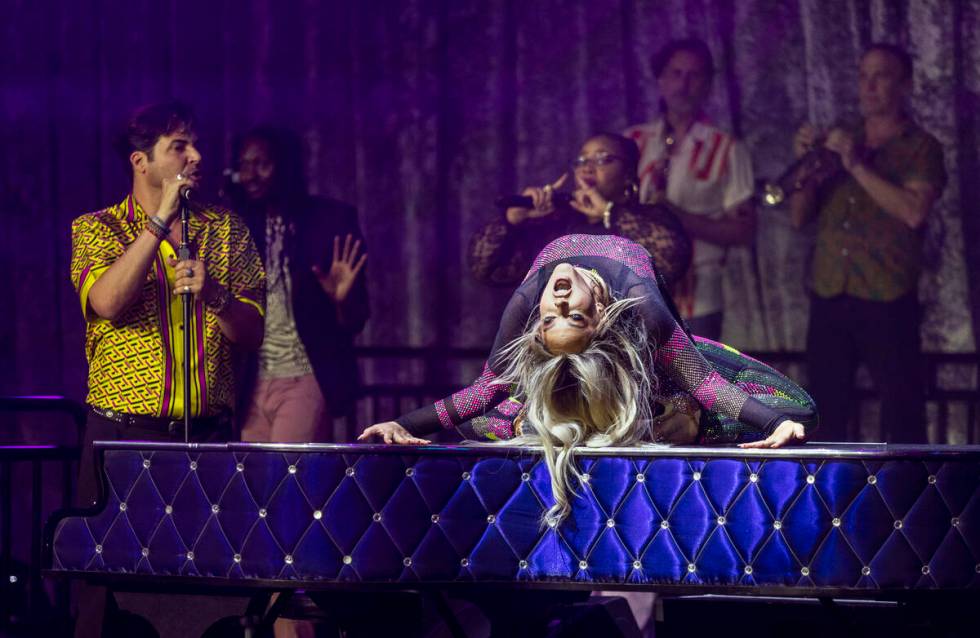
[(869, 212)]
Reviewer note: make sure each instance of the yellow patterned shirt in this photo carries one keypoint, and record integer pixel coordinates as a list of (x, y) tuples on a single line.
[(136, 362)]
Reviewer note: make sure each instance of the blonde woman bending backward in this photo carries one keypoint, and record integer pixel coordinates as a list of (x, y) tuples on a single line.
[(595, 355)]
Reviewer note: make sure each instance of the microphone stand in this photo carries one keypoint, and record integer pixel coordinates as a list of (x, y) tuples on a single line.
[(183, 254)]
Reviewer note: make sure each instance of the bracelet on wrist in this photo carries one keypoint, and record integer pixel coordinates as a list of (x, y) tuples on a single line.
[(607, 215), (157, 228), (220, 302)]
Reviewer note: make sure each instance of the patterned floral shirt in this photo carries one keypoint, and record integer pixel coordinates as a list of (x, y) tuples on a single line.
[(136, 361), (862, 250)]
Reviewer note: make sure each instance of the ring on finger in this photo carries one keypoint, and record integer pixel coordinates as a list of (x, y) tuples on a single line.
[(180, 177), (190, 272), (187, 288), (548, 188)]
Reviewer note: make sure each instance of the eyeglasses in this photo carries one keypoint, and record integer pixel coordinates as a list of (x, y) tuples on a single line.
[(597, 160)]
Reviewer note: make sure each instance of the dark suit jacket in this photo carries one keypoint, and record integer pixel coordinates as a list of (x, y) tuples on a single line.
[(311, 227)]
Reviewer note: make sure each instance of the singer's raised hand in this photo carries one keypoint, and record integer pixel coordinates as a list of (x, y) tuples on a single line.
[(543, 198), (588, 201), (344, 268), (170, 197)]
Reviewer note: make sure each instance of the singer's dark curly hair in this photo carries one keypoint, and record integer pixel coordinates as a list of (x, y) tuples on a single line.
[(149, 123)]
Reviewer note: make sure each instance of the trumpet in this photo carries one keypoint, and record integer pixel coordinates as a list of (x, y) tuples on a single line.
[(815, 164)]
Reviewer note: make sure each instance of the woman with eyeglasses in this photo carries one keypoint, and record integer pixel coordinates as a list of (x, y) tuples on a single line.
[(603, 200)]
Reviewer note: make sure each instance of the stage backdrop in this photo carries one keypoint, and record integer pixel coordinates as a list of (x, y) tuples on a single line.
[(422, 112)]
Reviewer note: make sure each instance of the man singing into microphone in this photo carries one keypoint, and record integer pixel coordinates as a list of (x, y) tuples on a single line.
[(130, 282)]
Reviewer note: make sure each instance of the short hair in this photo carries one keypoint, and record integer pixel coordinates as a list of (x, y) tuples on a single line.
[(149, 123), (901, 56), (695, 46), (626, 147)]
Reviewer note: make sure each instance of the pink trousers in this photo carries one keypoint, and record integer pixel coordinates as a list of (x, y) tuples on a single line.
[(287, 410)]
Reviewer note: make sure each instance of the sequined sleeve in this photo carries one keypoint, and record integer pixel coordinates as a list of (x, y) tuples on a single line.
[(485, 394), (678, 358)]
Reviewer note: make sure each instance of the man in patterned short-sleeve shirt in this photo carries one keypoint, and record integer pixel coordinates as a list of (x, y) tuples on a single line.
[(867, 260), (130, 281)]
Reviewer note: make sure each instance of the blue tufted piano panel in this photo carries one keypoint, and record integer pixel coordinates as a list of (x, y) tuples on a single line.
[(858, 519)]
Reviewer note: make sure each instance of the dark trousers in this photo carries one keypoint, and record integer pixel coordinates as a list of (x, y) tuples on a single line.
[(844, 332), (91, 602)]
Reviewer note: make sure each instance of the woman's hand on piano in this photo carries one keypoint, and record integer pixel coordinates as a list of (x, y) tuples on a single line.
[(786, 433), (391, 432)]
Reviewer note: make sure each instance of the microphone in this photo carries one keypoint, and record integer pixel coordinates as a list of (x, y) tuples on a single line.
[(190, 194), (524, 201)]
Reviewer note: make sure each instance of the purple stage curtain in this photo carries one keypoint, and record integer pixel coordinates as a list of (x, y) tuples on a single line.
[(421, 112)]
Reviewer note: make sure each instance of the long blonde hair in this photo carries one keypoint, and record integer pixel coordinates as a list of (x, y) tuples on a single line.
[(599, 397)]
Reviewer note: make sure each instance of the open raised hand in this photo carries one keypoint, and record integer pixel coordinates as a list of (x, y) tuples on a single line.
[(344, 268)]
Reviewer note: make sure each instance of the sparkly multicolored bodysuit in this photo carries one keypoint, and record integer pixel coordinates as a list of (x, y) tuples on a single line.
[(742, 399)]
